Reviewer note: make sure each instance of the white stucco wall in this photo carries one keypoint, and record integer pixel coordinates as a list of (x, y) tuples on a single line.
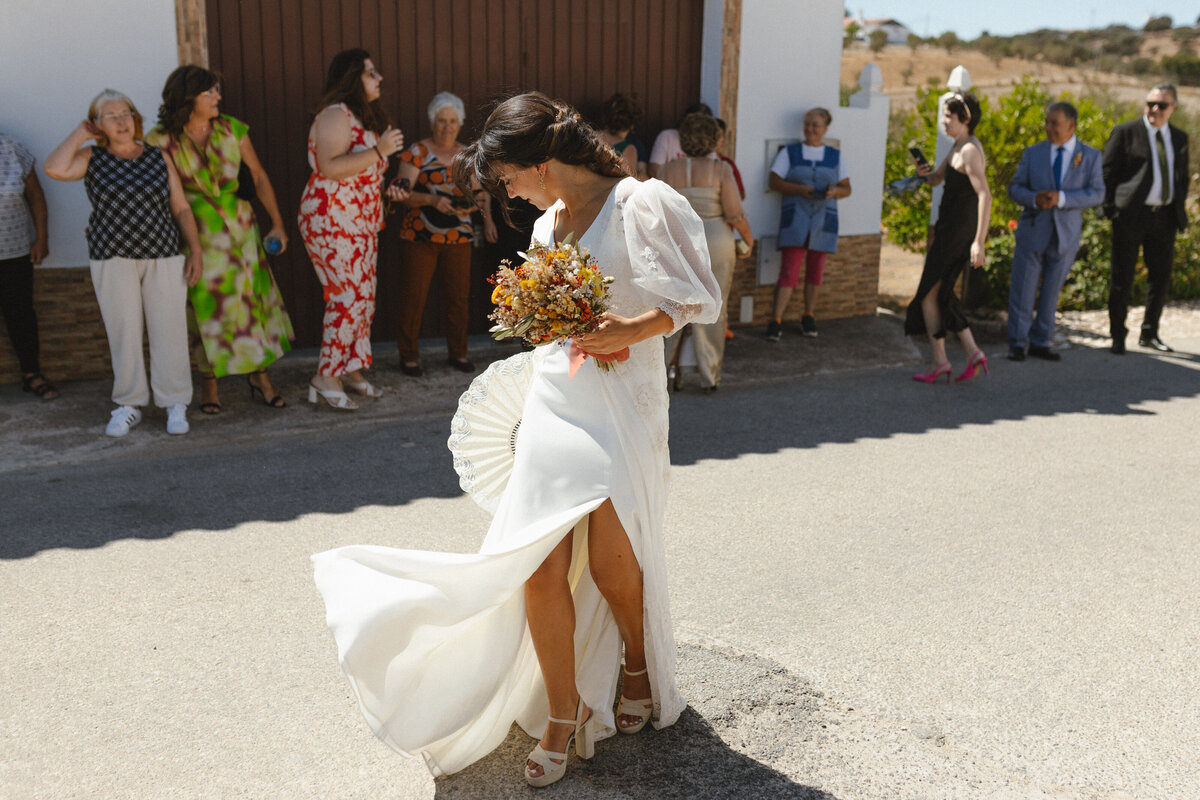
[(791, 54), (53, 69)]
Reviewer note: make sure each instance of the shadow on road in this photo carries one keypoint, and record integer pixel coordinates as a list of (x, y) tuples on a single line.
[(338, 468), (686, 761), (770, 715), (882, 403)]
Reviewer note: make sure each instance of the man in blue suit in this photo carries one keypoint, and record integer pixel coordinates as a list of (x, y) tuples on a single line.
[(1055, 181)]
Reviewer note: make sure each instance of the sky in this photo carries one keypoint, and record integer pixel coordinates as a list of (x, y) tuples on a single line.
[(969, 18)]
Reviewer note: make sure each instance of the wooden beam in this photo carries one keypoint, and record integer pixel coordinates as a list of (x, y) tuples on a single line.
[(731, 52), (191, 32)]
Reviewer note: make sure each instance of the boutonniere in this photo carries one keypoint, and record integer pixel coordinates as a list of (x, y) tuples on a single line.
[(1077, 161)]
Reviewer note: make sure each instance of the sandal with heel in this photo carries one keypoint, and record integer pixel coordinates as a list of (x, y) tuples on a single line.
[(634, 708), (977, 362), (210, 407), (37, 383), (554, 765), (274, 402), (934, 374), (335, 399), (364, 387)]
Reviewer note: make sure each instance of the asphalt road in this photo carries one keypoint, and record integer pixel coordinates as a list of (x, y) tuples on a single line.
[(881, 590)]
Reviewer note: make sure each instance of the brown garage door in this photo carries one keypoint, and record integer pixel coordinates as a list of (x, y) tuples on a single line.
[(272, 55)]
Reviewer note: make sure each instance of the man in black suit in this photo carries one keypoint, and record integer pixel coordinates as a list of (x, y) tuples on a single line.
[(1146, 181)]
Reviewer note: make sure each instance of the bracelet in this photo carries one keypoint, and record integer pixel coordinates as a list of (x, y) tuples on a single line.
[(378, 153)]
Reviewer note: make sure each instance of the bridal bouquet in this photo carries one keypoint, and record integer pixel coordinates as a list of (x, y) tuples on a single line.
[(555, 293)]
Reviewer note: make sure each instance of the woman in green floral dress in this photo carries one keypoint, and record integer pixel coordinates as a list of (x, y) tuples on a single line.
[(238, 322)]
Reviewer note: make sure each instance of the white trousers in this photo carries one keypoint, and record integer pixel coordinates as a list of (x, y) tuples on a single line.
[(130, 290)]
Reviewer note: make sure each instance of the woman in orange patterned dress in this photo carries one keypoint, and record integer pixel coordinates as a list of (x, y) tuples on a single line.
[(436, 235), (340, 217)]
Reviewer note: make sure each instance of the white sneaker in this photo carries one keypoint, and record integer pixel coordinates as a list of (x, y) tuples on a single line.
[(123, 418), (177, 419)]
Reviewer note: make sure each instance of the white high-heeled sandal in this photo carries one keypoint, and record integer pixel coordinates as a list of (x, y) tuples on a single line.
[(634, 708), (554, 765), (365, 388), (335, 399)]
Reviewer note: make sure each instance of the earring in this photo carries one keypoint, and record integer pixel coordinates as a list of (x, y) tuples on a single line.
[(541, 181)]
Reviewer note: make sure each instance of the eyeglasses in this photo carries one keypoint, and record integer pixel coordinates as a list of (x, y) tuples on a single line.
[(1157, 105), (124, 116), (214, 91), (374, 73)]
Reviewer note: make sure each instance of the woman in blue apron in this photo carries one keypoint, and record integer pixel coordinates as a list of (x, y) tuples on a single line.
[(811, 176)]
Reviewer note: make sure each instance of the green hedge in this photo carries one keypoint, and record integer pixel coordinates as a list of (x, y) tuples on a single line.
[(1015, 122)]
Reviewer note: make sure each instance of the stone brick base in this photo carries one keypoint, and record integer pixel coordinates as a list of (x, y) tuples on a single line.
[(849, 288), (73, 343)]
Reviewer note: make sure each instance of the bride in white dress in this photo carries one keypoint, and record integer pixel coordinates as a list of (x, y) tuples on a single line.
[(445, 651)]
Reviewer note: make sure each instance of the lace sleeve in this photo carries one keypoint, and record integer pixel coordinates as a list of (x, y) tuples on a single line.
[(679, 314), (669, 255)]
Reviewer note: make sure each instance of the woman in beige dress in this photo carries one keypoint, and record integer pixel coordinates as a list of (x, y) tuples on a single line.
[(710, 188)]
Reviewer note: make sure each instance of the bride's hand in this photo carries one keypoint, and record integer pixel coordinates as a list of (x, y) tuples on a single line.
[(610, 335), (615, 332)]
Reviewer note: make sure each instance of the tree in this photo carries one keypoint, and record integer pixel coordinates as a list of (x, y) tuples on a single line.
[(948, 40), (993, 47), (878, 40), (914, 42), (849, 33), (1162, 23), (1184, 66)]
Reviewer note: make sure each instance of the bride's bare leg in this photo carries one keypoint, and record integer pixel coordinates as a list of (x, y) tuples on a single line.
[(618, 576), (550, 611)]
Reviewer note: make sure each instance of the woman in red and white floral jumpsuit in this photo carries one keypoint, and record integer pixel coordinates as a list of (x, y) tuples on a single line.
[(341, 213)]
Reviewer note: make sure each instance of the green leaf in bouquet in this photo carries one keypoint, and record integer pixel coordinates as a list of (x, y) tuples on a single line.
[(524, 325)]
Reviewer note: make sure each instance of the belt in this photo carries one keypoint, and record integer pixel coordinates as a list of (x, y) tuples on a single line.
[(1157, 209)]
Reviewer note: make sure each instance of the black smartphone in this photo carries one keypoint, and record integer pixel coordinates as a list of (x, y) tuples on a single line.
[(402, 183), (916, 153)]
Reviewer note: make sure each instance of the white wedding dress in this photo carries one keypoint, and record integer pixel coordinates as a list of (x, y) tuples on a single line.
[(436, 645)]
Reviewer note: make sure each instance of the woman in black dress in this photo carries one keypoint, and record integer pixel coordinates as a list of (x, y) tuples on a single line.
[(958, 239)]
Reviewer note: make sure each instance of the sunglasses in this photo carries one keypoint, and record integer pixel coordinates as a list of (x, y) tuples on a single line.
[(1157, 105), (960, 97)]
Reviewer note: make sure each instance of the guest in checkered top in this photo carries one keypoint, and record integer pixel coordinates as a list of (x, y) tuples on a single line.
[(133, 235)]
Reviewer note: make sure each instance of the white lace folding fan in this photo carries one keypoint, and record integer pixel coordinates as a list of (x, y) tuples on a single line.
[(483, 433)]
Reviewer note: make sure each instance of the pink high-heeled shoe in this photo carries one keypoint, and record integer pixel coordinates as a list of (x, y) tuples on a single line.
[(977, 361), (935, 373)]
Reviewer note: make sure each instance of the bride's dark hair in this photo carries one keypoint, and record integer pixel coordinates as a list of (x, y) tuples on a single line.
[(527, 130)]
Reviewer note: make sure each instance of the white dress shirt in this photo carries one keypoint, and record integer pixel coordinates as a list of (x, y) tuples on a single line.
[(1155, 197), (1068, 152)]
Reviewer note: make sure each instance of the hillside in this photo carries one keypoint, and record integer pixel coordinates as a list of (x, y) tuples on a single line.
[(904, 69)]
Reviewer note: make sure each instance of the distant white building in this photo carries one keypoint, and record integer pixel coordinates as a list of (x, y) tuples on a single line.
[(897, 32)]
